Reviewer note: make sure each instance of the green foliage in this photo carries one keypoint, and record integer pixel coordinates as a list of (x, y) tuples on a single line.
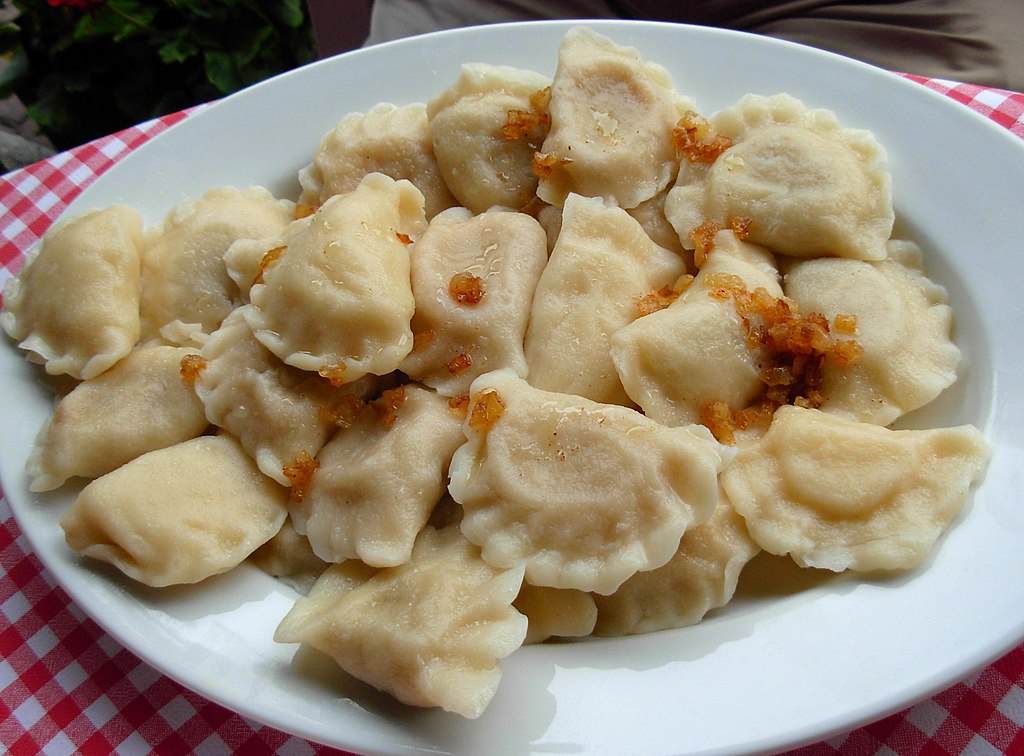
[(85, 68)]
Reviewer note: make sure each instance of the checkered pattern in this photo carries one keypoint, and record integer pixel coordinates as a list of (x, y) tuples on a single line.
[(67, 687)]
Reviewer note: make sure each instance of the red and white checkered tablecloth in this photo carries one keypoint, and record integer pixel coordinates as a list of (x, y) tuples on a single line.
[(68, 687)]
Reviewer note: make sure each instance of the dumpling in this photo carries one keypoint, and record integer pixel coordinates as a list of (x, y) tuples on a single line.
[(676, 360), (378, 480), (837, 494), (141, 404), (277, 412), (184, 279), (903, 326), (178, 515), (586, 494), (338, 300), (246, 259), (74, 307), (473, 278), (602, 263), (386, 139), (650, 214), (701, 576), (556, 612), (289, 558), (612, 117), (430, 632), (482, 166), (810, 187)]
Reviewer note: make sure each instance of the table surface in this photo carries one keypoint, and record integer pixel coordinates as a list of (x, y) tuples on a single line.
[(68, 687)]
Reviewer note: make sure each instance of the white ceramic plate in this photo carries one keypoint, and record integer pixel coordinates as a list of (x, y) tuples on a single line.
[(797, 656)]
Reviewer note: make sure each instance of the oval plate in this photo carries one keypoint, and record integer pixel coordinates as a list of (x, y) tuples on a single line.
[(797, 656)]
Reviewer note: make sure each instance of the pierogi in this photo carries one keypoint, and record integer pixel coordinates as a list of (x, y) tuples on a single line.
[(525, 362), (179, 514), (139, 405), (430, 632), (469, 122), (674, 361), (473, 278), (386, 139), (74, 307), (904, 326), (277, 412), (809, 186), (701, 576), (585, 494), (338, 300), (184, 280), (601, 264), (379, 479), (612, 116), (843, 495)]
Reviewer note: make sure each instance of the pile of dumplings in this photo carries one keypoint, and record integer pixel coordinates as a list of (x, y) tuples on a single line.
[(458, 392)]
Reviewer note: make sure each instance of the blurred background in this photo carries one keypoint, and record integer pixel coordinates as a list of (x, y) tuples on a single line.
[(73, 70)]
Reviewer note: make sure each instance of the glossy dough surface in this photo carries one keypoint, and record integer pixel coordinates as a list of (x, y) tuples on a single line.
[(482, 167), (463, 332), (178, 515), (602, 263), (838, 494), (586, 494), (430, 632), (74, 307), (612, 115), (338, 299), (695, 351), (139, 405), (810, 187)]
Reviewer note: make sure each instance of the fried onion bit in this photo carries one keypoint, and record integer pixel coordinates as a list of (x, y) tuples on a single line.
[(300, 475)]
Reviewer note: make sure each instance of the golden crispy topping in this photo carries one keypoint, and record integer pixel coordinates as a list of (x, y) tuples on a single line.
[(693, 139), (191, 366), (540, 100), (269, 259), (740, 226), (654, 300), (530, 124), (545, 163), (717, 417), (460, 363), (486, 411), (334, 373), (300, 474), (466, 289), (344, 412), (388, 404), (845, 324), (304, 211), (703, 238), (459, 404), (659, 299), (793, 349), (521, 122)]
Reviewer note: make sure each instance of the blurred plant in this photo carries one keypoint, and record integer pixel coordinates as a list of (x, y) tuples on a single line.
[(84, 68)]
